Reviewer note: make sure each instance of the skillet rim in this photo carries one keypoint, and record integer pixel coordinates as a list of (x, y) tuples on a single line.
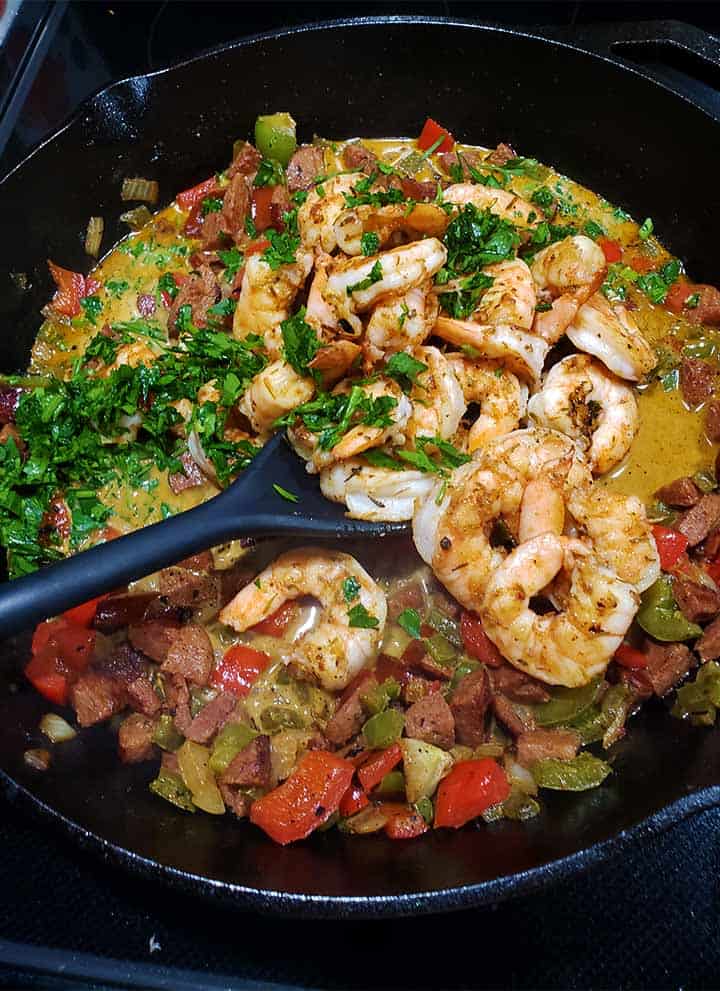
[(318, 906)]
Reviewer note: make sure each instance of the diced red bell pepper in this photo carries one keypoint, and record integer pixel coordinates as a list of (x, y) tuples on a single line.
[(190, 198), (353, 800), (431, 132), (43, 674), (70, 290), (276, 623), (306, 799), (262, 213), (405, 825), (611, 249), (630, 657), (471, 787), (642, 264), (255, 247), (61, 650), (713, 570), (476, 641), (239, 669), (671, 545), (377, 766), (84, 614)]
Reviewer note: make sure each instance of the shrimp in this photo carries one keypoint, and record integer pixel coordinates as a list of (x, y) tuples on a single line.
[(452, 533), (620, 532), (522, 353), (318, 312), (436, 396), (324, 204), (582, 399), (502, 398), (569, 647), (378, 494), (501, 202), (334, 651), (399, 322), (274, 391), (133, 354), (609, 332), (266, 296), (357, 284), (569, 271), (423, 220), (511, 298)]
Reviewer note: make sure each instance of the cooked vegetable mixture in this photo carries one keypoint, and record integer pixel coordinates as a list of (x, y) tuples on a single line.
[(452, 336)]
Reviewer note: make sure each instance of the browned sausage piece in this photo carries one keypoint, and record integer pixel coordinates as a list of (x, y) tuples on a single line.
[(212, 717), (190, 654), (468, 705), (683, 493), (199, 291), (183, 588), (708, 646), (697, 380), (707, 310), (431, 720), (697, 522), (421, 191), (515, 721), (135, 739), (349, 716), (517, 685), (251, 767), (667, 664), (698, 603), (95, 697), (501, 155), (712, 421), (539, 744), (154, 637), (357, 156), (189, 478), (306, 164)]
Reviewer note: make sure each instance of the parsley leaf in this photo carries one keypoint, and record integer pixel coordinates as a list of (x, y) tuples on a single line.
[(211, 204), (445, 456), (404, 369), (363, 194), (370, 243), (288, 496), (359, 617), (331, 415), (300, 342), (351, 589), (232, 259), (167, 284), (594, 230), (409, 620), (376, 274), (92, 306), (282, 250), (645, 229), (116, 287), (269, 173)]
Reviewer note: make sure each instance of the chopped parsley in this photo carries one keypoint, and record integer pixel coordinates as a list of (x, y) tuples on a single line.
[(167, 284), (594, 230), (116, 287), (364, 195), (351, 589), (299, 197), (331, 415), (461, 302), (645, 229), (359, 617), (250, 228), (443, 456), (404, 369), (225, 308), (654, 285), (269, 173), (184, 321), (370, 243), (285, 494), (232, 259), (300, 342), (92, 307), (692, 301), (544, 198), (282, 250), (620, 214), (409, 620), (376, 274), (211, 204)]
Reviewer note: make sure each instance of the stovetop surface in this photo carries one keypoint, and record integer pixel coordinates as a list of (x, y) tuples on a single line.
[(69, 921)]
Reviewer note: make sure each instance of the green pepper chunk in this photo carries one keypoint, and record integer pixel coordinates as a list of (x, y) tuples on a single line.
[(384, 729), (442, 623), (231, 739), (172, 788), (699, 700), (199, 698), (440, 649), (590, 724), (578, 774), (424, 806), (380, 697), (392, 784), (520, 807), (567, 704), (660, 617), (165, 734), (465, 667), (275, 136)]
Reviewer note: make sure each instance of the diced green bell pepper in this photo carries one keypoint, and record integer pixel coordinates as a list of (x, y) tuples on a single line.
[(383, 729), (172, 788), (442, 623), (566, 704), (231, 739), (380, 697), (392, 784), (578, 774), (440, 649), (660, 617), (165, 734), (699, 700), (275, 136)]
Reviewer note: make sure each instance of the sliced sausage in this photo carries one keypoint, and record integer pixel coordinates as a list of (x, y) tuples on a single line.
[(518, 686), (189, 478), (349, 716), (356, 156), (699, 603), (712, 421), (212, 717), (238, 802), (707, 308), (95, 696), (190, 655), (306, 164), (188, 589), (154, 637), (469, 705), (421, 191), (708, 646), (117, 611), (697, 380), (135, 739), (199, 291), (431, 720), (246, 161), (514, 720), (697, 522), (250, 768), (682, 493), (539, 744), (667, 664), (501, 155)]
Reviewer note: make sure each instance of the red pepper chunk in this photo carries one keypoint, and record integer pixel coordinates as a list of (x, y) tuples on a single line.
[(377, 766), (431, 133), (255, 247), (629, 657), (611, 249), (671, 545), (239, 669), (262, 215), (405, 825), (713, 570), (276, 623), (471, 787), (84, 614), (353, 800), (61, 651), (476, 641), (190, 198), (70, 290), (306, 799)]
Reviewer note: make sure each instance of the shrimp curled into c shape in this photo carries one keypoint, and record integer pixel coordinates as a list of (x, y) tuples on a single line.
[(333, 652), (568, 647)]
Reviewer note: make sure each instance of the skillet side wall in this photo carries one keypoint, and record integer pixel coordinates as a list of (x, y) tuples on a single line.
[(606, 128)]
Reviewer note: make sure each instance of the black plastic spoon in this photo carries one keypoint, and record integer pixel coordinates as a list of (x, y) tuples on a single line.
[(252, 506)]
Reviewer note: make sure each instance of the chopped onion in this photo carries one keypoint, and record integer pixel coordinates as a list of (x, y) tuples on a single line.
[(199, 457), (145, 190), (93, 237), (38, 760), (136, 218), (56, 728), (520, 777)]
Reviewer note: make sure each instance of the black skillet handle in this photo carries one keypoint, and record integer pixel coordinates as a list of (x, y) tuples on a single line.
[(679, 55)]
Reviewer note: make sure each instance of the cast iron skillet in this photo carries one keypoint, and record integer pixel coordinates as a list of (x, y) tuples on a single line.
[(610, 128)]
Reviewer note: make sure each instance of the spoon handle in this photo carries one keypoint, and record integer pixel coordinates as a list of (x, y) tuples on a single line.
[(52, 590)]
